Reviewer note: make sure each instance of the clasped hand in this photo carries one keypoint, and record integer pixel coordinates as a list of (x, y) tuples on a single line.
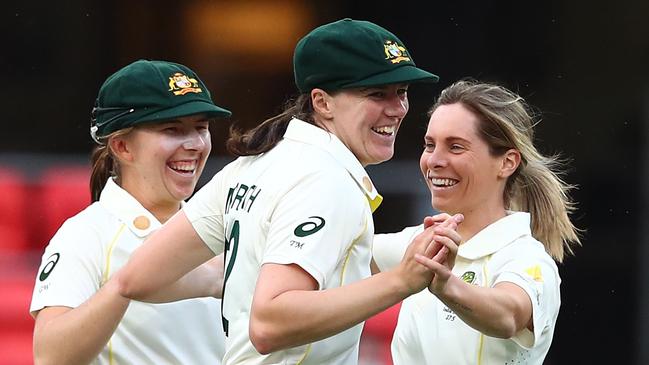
[(430, 258)]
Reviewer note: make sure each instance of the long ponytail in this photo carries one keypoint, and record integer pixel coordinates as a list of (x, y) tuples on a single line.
[(266, 135), (104, 165)]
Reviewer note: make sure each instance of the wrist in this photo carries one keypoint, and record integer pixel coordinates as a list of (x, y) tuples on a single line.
[(450, 291), (399, 284)]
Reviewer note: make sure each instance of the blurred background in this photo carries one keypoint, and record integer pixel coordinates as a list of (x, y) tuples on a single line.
[(582, 64)]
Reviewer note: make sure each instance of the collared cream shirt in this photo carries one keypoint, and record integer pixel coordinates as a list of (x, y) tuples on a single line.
[(94, 244), (304, 202), (428, 332)]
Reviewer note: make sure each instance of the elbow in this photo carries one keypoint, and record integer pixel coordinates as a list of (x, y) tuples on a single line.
[(42, 360), (263, 338), (127, 288), (505, 329), (42, 356)]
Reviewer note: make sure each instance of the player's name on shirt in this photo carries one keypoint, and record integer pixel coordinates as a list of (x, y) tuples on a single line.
[(241, 197)]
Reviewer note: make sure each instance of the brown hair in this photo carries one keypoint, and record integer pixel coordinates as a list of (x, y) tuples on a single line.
[(266, 135), (506, 122), (104, 164)]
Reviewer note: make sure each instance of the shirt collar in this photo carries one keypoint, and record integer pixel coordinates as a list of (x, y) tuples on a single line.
[(496, 236), (308, 133), (127, 209)]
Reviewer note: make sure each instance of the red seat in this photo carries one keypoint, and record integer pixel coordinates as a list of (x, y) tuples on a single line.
[(16, 324), (13, 211), (63, 191), (377, 336)]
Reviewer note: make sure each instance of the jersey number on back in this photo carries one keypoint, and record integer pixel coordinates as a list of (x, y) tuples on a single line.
[(232, 242)]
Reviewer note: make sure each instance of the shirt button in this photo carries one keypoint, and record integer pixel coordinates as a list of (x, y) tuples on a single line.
[(367, 183), (141, 222)]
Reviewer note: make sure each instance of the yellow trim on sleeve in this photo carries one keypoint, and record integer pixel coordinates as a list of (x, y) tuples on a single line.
[(111, 361), (109, 253), (306, 353), (485, 284), (349, 252), (104, 279)]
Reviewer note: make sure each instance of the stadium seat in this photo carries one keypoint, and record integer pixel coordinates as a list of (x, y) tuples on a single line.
[(13, 211), (16, 324), (377, 336), (62, 192)]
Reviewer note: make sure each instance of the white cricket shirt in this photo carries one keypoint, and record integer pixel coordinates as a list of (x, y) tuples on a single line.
[(428, 332), (304, 202), (94, 244)]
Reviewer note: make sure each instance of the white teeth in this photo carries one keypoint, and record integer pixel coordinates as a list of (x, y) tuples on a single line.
[(443, 182), (184, 166), (386, 129)]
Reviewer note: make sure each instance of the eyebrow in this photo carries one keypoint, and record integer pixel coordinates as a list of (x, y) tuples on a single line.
[(450, 139)]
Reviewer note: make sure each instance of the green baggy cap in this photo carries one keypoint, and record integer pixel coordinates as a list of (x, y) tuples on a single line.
[(353, 53), (150, 91)]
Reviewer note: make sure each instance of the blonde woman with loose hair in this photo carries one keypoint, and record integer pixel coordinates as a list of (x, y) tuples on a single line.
[(498, 299)]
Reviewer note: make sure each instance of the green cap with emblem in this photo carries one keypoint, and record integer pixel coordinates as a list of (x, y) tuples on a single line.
[(353, 53), (150, 91)]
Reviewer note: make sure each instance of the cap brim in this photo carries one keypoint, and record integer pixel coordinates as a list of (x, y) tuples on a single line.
[(183, 110), (407, 74)]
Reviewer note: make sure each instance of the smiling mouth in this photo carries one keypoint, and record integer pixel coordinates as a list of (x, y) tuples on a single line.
[(183, 167), (442, 182), (388, 130)]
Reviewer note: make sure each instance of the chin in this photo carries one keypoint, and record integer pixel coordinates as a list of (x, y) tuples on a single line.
[(440, 206)]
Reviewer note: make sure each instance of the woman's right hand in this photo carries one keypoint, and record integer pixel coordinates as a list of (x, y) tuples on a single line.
[(447, 240), (416, 276)]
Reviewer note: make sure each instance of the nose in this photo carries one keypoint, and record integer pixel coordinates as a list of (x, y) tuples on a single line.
[(436, 159), (195, 141), (398, 106)]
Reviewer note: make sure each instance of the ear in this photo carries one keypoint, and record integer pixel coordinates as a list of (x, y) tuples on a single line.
[(510, 161), (120, 148), (322, 104)]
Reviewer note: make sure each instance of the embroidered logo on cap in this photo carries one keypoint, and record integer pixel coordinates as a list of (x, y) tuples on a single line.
[(394, 52), (181, 84)]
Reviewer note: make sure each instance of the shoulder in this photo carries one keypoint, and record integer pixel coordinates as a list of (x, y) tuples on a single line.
[(85, 229), (526, 246), (302, 164)]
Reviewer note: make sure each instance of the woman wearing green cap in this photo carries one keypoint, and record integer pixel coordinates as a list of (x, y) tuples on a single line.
[(151, 122), (498, 303), (294, 212)]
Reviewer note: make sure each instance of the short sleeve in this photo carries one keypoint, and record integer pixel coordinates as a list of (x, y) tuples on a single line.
[(315, 222), (536, 273), (205, 213), (71, 268), (388, 248)]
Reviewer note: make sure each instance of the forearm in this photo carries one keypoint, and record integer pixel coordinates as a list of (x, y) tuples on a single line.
[(163, 260), (299, 317), (500, 311), (78, 335), (204, 281)]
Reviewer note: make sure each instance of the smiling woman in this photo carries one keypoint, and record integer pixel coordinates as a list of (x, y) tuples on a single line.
[(294, 211), (151, 123), (499, 302)]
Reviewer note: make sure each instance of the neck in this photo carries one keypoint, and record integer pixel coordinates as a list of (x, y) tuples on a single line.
[(477, 220), (163, 212), (162, 209)]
